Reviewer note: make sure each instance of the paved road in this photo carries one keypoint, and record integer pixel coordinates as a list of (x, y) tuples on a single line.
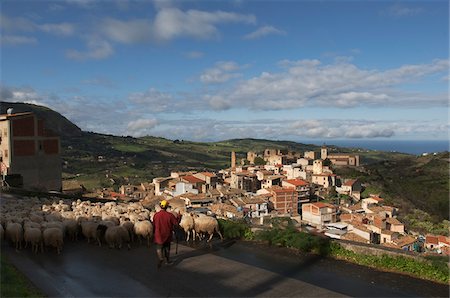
[(224, 269)]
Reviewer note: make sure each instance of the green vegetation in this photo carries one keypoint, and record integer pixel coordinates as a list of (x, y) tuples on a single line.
[(435, 270), (14, 283), (235, 229), (409, 182), (284, 234), (405, 181)]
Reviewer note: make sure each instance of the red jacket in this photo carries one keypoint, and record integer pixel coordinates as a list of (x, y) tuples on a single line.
[(163, 223)]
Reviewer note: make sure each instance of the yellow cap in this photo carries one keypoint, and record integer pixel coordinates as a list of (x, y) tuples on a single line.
[(164, 204)]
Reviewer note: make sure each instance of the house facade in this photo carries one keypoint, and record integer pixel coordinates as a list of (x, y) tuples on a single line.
[(30, 150), (318, 214)]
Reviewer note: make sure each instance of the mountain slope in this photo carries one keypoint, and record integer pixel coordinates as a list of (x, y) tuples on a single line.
[(53, 120)]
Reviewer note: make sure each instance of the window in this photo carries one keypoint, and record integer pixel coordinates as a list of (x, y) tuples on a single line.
[(6, 153)]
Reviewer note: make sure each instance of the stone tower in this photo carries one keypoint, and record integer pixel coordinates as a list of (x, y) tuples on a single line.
[(323, 152), (233, 159), (317, 166)]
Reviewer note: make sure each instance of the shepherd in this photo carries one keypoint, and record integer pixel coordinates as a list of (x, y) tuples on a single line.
[(164, 224)]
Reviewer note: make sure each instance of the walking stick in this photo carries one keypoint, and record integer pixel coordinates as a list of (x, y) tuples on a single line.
[(176, 243)]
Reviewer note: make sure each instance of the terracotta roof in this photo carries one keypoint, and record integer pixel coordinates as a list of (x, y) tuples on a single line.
[(387, 232), (255, 200), (325, 174), (431, 239), (322, 205), (353, 237), (359, 226), (405, 240), (350, 182), (297, 182), (393, 221), (443, 239), (282, 190), (208, 174), (192, 179)]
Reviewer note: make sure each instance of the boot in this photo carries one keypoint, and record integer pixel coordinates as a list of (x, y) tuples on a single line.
[(160, 258)]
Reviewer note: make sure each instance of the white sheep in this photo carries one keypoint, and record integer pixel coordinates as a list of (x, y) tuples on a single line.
[(206, 224), (71, 228), (33, 236), (144, 229), (54, 237), (115, 236), (129, 226), (187, 224), (89, 230), (14, 232)]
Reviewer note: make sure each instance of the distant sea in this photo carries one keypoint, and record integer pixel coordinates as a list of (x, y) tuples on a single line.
[(404, 146)]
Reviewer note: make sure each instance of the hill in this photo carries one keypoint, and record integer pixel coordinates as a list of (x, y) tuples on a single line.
[(53, 120), (98, 160)]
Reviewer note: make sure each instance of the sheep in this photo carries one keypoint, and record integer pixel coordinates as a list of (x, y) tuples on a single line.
[(71, 228), (144, 229), (187, 224), (53, 237), (53, 224), (89, 230), (34, 237), (116, 236), (14, 232), (206, 224), (129, 226)]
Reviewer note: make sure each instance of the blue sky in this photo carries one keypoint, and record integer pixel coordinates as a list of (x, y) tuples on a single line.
[(214, 70)]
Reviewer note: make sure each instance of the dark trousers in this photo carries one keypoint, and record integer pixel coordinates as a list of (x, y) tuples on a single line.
[(163, 251)]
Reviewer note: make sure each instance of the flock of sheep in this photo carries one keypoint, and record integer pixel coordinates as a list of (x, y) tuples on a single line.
[(46, 222)]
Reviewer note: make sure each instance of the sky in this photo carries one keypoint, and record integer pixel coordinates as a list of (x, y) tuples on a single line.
[(217, 70)]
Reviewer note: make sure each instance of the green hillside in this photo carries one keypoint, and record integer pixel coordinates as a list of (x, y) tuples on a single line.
[(416, 184)]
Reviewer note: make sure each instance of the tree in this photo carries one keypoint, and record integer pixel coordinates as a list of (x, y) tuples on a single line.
[(259, 161)]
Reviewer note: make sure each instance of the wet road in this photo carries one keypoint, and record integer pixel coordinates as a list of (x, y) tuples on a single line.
[(225, 269)]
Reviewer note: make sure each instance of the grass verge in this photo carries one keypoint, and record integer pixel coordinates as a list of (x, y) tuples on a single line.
[(14, 283)]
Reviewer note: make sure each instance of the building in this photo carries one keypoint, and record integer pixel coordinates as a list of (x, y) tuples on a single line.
[(339, 159), (284, 200), (351, 188), (325, 180), (311, 155), (318, 214), (29, 150), (245, 180), (344, 159), (303, 189)]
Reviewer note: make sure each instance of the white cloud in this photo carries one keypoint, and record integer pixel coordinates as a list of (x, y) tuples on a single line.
[(264, 31), (96, 49), (141, 127), (62, 29), (217, 103), (12, 24), (20, 24), (399, 10), (341, 84), (153, 100), (128, 32), (170, 23), (222, 72), (17, 40)]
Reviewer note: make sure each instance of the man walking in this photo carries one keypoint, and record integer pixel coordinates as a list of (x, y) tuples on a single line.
[(164, 222)]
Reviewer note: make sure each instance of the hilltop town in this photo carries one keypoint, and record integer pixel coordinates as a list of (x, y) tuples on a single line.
[(302, 186)]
